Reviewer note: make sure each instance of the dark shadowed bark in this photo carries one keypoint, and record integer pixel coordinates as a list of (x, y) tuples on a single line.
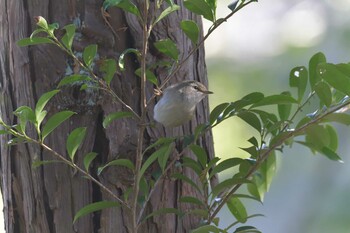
[(45, 199)]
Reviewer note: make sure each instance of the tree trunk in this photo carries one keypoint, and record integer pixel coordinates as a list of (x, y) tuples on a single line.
[(45, 199)]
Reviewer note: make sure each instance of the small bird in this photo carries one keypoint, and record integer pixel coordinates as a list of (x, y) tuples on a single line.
[(178, 103)]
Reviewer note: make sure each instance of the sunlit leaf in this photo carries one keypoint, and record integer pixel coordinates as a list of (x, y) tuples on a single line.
[(89, 157), (34, 41), (121, 60), (217, 111), (164, 211), (54, 121), (224, 165), (109, 67), (200, 154), (94, 207), (126, 5), (74, 140), (284, 110), (149, 76), (168, 47), (247, 229), (73, 79), (114, 116), (38, 163), (316, 59), (43, 101), (342, 118), (166, 12), (324, 92), (68, 37), (165, 151), (89, 54), (337, 79), (200, 7), (237, 209), (275, 99), (251, 119), (184, 178), (226, 184), (191, 29), (192, 200), (298, 78), (206, 229), (117, 162)]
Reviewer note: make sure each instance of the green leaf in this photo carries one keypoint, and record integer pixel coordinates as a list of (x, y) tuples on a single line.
[(89, 157), (184, 178), (164, 211), (216, 112), (38, 163), (200, 7), (94, 207), (160, 141), (43, 101), (68, 37), (164, 152), (192, 200), (89, 54), (75, 138), (191, 29), (275, 99), (200, 153), (284, 110), (334, 77), (193, 164), (268, 169), (251, 119), (24, 114), (329, 153), (237, 209), (123, 4), (149, 76), (54, 121), (324, 92), (118, 162), (316, 59), (333, 137), (318, 136), (166, 12), (246, 229), (114, 116), (227, 184), (168, 47), (41, 22), (121, 61), (342, 118), (109, 67), (206, 229), (73, 79), (34, 41), (298, 78), (249, 99), (224, 165), (160, 152)]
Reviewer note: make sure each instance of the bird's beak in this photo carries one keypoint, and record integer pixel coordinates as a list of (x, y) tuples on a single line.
[(208, 92)]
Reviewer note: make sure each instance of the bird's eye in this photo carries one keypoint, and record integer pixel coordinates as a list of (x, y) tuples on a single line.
[(196, 88)]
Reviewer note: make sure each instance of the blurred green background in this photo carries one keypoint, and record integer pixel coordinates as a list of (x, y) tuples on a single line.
[(255, 51)]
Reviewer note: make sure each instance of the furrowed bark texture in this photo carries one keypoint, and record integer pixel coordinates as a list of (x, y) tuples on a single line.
[(45, 199)]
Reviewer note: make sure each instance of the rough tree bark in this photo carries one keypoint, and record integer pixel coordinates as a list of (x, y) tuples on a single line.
[(45, 199)]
